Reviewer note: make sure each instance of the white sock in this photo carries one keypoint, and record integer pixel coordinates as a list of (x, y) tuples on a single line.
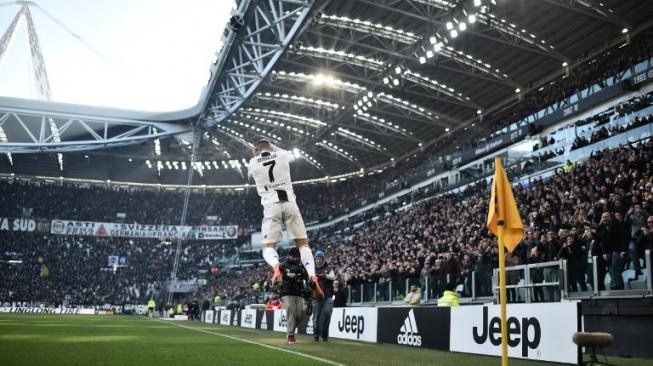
[(307, 259), (271, 256)]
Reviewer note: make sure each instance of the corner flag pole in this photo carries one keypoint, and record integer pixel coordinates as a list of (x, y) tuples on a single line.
[(504, 221), (502, 294)]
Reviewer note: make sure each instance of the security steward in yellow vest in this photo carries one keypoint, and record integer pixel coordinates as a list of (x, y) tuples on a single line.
[(151, 305), (449, 297)]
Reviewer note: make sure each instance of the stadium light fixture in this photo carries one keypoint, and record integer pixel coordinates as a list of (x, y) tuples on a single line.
[(422, 59), (565, 64), (453, 33), (395, 82), (471, 18), (398, 70), (477, 3), (449, 25), (625, 30), (517, 90), (429, 54), (479, 111), (386, 80), (462, 26), (432, 39)]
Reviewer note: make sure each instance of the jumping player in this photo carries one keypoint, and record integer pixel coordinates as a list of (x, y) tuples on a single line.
[(270, 168)]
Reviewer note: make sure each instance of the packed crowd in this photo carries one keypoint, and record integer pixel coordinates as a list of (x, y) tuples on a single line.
[(600, 207), (54, 269), (104, 203), (604, 132), (596, 71)]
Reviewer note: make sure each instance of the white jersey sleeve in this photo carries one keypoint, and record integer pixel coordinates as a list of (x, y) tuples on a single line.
[(271, 173)]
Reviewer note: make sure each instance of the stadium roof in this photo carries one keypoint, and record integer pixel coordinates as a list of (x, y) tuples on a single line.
[(368, 82)]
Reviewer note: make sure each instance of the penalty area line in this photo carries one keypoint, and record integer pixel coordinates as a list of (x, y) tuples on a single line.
[(257, 344)]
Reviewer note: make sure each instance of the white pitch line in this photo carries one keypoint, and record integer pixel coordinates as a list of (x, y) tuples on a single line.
[(258, 344)]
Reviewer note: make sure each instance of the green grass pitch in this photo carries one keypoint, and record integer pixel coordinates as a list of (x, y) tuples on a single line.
[(52, 340)]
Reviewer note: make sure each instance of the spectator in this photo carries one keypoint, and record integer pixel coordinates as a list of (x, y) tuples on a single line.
[(576, 257), (414, 297)]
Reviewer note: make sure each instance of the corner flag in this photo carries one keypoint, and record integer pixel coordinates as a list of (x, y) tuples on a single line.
[(503, 207), (504, 222)]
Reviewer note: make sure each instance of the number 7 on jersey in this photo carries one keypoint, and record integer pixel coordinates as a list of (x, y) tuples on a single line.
[(271, 163)]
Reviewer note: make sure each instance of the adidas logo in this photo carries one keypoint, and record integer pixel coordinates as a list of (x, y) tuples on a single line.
[(408, 333)]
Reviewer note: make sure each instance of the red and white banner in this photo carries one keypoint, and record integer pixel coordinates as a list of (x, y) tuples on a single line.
[(54, 311), (111, 229)]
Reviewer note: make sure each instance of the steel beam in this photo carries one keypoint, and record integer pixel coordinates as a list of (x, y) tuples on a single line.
[(256, 38)]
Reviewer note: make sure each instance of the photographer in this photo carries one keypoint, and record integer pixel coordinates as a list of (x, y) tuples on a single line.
[(322, 308), (293, 280)]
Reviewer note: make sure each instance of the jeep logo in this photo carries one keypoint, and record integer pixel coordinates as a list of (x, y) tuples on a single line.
[(520, 331), (352, 324)]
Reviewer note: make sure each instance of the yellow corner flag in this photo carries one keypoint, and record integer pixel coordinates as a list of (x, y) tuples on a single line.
[(503, 207), (504, 222)]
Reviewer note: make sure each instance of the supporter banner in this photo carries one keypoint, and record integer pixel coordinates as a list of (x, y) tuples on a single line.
[(359, 323), (116, 261), (109, 229), (248, 318), (426, 327), (540, 332), (213, 232), (57, 311), (11, 224)]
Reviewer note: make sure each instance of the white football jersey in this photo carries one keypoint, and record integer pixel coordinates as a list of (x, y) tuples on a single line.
[(271, 172)]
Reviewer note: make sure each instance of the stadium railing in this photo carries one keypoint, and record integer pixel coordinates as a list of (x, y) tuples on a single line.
[(526, 283)]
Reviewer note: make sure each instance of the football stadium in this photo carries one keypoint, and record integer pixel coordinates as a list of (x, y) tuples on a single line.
[(326, 182)]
